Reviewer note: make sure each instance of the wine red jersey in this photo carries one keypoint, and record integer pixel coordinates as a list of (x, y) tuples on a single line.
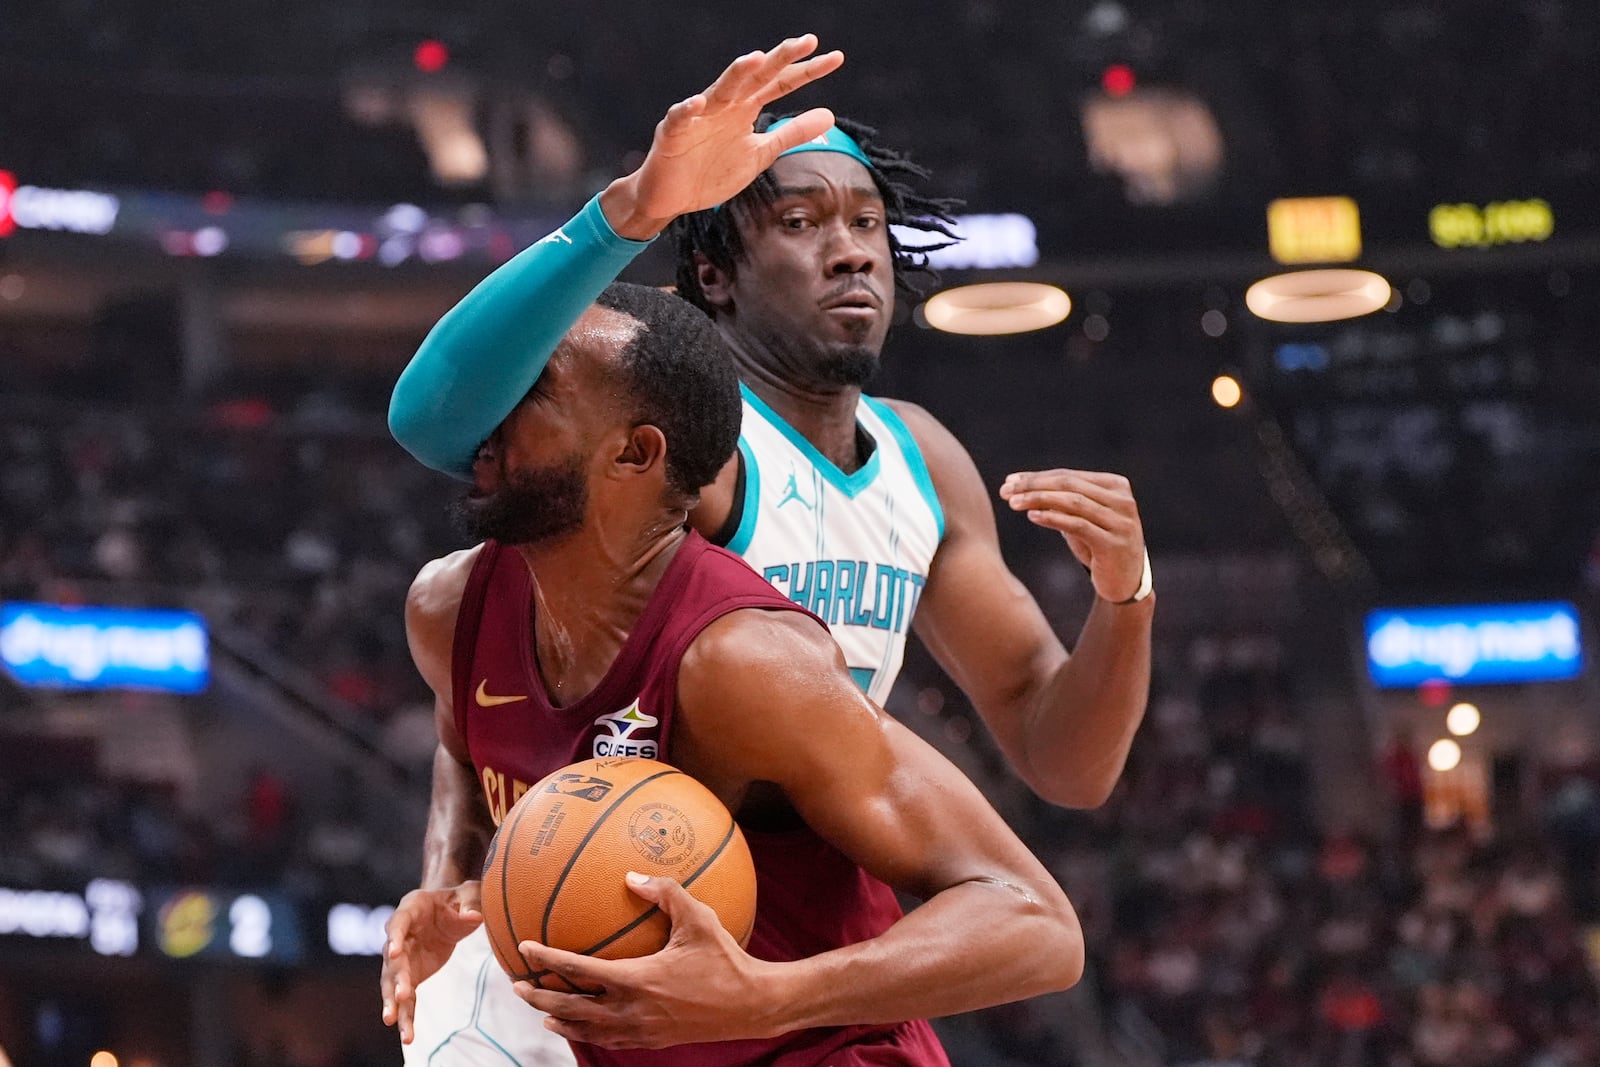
[(810, 897)]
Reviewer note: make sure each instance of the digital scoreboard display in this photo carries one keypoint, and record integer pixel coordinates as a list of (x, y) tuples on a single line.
[(190, 923), (1504, 222), (201, 924)]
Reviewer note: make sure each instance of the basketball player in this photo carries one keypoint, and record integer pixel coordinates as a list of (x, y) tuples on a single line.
[(591, 614), (859, 509)]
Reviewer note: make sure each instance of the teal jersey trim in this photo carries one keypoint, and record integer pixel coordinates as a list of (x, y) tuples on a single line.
[(863, 676), (482, 357), (851, 485), (474, 1024), (740, 541), (913, 453)]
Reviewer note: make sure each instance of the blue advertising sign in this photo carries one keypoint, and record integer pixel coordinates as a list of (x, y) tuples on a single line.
[(101, 648), (1474, 644)]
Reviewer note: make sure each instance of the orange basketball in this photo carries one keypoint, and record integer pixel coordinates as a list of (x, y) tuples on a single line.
[(556, 865)]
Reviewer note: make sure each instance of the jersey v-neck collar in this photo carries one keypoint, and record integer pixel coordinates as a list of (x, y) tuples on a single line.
[(851, 485), (615, 690)]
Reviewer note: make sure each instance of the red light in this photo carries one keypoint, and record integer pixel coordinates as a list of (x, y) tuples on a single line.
[(8, 186), (1118, 80), (431, 56), (1434, 692), (217, 202)]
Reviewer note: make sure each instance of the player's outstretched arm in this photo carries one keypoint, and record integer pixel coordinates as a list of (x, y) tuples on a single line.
[(766, 697), (484, 355), (1065, 723), (430, 920)]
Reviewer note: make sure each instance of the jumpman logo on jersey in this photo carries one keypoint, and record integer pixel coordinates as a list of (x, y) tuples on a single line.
[(791, 491)]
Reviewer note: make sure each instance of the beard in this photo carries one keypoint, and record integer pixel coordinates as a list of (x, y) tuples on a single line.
[(806, 360), (532, 507), (853, 365)]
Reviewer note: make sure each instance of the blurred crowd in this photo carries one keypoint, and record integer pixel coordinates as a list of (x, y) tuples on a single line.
[(296, 534), (1413, 99), (1226, 926)]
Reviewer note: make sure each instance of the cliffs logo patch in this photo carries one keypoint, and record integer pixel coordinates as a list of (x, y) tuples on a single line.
[(581, 786), (8, 189), (625, 733)]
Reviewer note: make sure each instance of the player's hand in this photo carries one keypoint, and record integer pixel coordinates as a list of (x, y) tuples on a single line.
[(699, 987), (1097, 515), (705, 150), (423, 931)]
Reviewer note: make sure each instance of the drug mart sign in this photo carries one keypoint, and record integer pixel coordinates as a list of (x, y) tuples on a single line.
[(1474, 644)]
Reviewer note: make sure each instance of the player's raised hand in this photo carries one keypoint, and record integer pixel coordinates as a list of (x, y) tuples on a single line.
[(701, 986), (1097, 515), (705, 150), (423, 931)]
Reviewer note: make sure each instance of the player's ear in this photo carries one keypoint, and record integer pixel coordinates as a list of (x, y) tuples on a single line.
[(642, 450), (714, 282)]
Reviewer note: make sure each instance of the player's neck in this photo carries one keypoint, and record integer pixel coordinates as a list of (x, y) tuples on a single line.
[(589, 590), (824, 416)]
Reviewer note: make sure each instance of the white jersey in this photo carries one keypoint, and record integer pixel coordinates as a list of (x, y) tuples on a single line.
[(853, 548)]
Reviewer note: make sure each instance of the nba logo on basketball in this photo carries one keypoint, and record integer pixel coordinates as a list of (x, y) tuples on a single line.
[(579, 785), (8, 189)]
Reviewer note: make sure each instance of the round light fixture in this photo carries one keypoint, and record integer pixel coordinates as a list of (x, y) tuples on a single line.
[(1317, 295), (1444, 755), (1463, 719), (997, 308), (1226, 391)]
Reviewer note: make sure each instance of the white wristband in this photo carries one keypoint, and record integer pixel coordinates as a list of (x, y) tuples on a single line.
[(1147, 584)]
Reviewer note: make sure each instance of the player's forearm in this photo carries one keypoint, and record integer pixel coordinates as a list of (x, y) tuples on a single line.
[(459, 829), (1081, 722), (972, 946), (482, 357)]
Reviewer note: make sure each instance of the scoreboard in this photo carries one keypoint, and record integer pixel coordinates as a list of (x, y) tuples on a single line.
[(190, 924)]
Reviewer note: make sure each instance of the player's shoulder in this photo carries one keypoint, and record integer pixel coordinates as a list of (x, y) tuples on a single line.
[(946, 457), (435, 595), (758, 646), (930, 434)]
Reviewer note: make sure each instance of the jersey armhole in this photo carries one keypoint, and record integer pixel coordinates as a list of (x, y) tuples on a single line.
[(735, 517), (913, 453), (746, 498), (469, 615)]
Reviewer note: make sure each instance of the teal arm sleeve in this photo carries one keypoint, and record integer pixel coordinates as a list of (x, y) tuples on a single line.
[(482, 357)]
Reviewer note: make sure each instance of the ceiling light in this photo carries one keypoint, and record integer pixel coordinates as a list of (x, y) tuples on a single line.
[(1463, 719), (997, 307), (1226, 391), (1317, 295)]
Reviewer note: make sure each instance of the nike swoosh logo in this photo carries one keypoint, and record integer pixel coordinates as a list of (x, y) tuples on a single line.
[(487, 701)]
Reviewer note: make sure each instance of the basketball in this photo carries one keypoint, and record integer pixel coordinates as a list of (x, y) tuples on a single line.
[(556, 866)]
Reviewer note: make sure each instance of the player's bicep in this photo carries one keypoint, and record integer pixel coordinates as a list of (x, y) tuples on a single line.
[(979, 621)]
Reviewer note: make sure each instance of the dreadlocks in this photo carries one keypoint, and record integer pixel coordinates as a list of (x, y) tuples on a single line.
[(715, 233)]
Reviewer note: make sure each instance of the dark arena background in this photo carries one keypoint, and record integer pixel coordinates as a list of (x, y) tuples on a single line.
[(1360, 826)]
